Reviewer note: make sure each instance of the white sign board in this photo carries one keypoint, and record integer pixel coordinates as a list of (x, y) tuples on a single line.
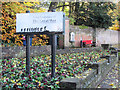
[(40, 22)]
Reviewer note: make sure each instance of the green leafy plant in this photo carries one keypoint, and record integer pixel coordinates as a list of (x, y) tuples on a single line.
[(72, 20)]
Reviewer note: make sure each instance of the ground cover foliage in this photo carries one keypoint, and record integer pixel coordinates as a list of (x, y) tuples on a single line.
[(67, 65)]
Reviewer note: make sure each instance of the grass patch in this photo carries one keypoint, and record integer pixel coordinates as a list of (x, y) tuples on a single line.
[(83, 27), (119, 56), (119, 53)]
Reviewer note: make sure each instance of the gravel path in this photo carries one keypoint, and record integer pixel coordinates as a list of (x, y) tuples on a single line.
[(112, 80)]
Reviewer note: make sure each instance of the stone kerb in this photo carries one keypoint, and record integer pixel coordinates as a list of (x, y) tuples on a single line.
[(90, 78)]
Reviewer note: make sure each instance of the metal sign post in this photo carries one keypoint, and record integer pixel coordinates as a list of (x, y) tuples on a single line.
[(53, 52), (27, 52)]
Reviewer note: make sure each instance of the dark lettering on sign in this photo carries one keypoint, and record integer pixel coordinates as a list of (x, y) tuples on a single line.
[(44, 21), (37, 29), (45, 28), (41, 29), (27, 29), (21, 30), (24, 29)]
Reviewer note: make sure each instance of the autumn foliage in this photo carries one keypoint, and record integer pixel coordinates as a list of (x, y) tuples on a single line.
[(116, 14), (9, 10)]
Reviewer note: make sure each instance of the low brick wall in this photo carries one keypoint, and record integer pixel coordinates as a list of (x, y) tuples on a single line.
[(20, 51), (90, 78)]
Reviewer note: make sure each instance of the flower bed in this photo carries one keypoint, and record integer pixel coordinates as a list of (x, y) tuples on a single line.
[(67, 65)]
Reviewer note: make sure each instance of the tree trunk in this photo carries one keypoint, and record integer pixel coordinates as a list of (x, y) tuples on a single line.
[(69, 8), (53, 5), (76, 6), (76, 12), (63, 6), (94, 36)]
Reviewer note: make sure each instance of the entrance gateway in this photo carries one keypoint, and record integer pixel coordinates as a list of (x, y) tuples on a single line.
[(49, 23)]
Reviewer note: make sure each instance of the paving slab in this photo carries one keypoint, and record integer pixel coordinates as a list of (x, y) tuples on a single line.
[(112, 78)]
